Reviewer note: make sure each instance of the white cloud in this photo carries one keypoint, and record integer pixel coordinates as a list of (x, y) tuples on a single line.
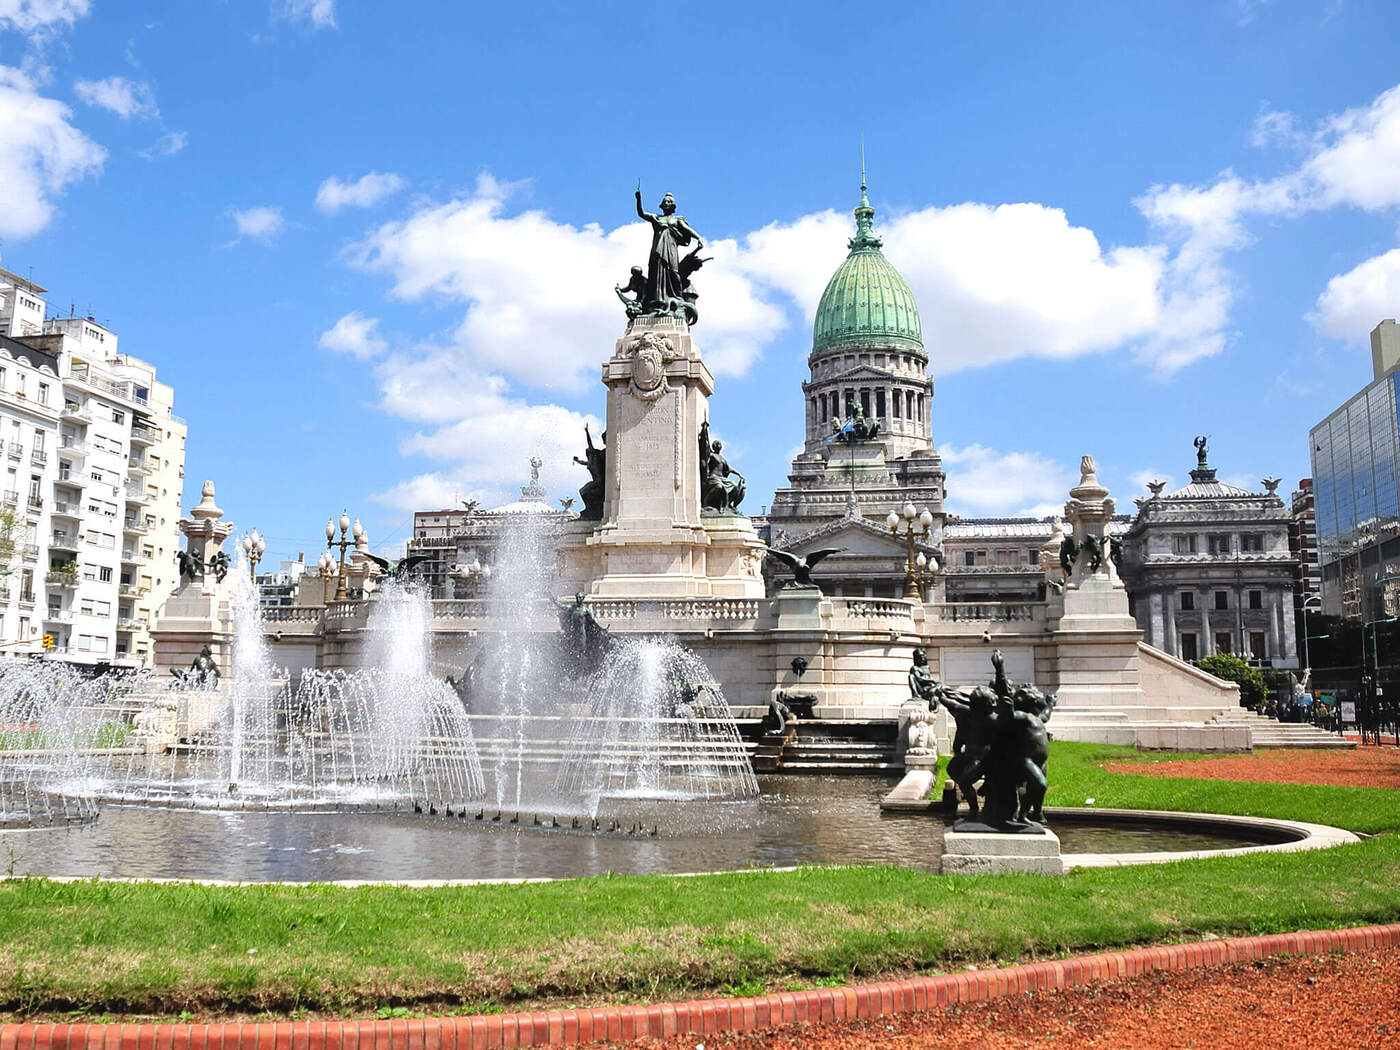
[(1273, 127), (126, 98), (40, 154), (539, 293), (365, 191), (1353, 302), (487, 447), (356, 335), (39, 18), (988, 482), (320, 13), (261, 223), (169, 144)]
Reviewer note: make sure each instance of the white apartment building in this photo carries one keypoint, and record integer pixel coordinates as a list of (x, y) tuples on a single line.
[(102, 493)]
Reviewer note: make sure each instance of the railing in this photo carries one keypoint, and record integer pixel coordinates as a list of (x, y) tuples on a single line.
[(59, 616), (35, 503), (12, 497), (130, 590), (132, 623), (15, 449), (135, 556), (993, 612), (886, 608), (137, 492), (138, 527), (38, 457), (68, 444), (73, 410), (63, 541), (61, 579), (423, 542), (31, 551), (65, 508), (70, 479), (146, 434), (293, 613)]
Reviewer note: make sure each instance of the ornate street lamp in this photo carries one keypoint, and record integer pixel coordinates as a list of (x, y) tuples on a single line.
[(350, 536), (326, 563), (911, 525), (474, 574), (253, 546)]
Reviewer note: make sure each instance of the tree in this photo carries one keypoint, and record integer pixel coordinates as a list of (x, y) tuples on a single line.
[(1233, 669), (11, 529)]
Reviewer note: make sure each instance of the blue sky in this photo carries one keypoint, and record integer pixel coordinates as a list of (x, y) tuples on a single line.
[(373, 246)]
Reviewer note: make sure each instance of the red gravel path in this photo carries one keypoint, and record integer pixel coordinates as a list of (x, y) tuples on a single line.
[(1364, 767), (1347, 1002)]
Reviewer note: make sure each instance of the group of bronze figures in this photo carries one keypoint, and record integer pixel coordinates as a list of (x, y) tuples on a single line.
[(191, 568), (721, 486), (664, 288), (1000, 747)]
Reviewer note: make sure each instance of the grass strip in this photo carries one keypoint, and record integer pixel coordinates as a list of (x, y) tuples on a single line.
[(103, 949)]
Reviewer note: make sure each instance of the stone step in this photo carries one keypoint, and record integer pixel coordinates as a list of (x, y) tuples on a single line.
[(802, 766)]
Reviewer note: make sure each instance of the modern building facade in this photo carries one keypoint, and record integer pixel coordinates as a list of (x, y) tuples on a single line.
[(1356, 487), (98, 470)]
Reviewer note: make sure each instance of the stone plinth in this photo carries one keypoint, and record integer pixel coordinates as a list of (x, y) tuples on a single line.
[(197, 614), (653, 540), (992, 853)]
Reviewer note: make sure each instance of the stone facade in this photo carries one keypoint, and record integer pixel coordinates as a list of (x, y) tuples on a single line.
[(1209, 570)]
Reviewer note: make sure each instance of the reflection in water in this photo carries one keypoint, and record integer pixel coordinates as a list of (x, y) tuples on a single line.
[(797, 820)]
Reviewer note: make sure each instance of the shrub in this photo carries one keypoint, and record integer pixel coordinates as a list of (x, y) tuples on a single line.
[(1233, 669)]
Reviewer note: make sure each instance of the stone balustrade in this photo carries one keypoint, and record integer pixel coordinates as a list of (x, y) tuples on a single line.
[(987, 612), (293, 614), (873, 608)]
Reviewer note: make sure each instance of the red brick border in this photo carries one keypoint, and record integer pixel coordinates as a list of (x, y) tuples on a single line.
[(556, 1027)]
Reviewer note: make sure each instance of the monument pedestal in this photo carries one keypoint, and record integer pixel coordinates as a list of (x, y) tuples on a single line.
[(198, 614), (653, 540), (996, 853)]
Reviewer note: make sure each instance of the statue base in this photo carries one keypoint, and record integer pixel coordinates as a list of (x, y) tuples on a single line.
[(969, 852)]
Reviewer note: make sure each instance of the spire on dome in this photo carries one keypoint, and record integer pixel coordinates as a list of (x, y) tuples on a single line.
[(864, 213)]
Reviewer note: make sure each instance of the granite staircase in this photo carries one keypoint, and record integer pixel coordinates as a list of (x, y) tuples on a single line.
[(823, 746), (1266, 734)]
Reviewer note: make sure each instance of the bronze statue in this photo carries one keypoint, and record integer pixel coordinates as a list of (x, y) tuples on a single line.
[(585, 640), (219, 566), (636, 287), (1200, 444), (665, 284), (1069, 552), (856, 426), (1002, 743), (400, 570), (1093, 546), (595, 459), (721, 486), (802, 565), (202, 672), (189, 566), (922, 684)]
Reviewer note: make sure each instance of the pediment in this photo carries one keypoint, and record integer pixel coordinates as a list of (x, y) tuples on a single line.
[(860, 537)]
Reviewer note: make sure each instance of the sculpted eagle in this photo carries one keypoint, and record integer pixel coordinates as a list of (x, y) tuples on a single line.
[(802, 565)]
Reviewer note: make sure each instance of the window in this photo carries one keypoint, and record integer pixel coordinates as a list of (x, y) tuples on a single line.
[(1185, 543), (1224, 642), (118, 416), (1189, 650), (1188, 602), (43, 393), (1222, 599), (105, 574), (1219, 544), (1258, 649), (1252, 543), (1256, 599), (969, 558), (36, 498)]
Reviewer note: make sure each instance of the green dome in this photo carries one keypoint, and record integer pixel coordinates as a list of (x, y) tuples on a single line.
[(866, 302)]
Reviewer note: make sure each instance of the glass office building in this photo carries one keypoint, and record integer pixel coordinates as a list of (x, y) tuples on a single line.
[(1357, 493)]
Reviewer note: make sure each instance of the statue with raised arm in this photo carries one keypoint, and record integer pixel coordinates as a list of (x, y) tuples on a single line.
[(665, 286), (1200, 444), (595, 459)]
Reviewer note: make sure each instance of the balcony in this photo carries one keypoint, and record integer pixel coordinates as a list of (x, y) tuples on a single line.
[(35, 506), (136, 528), (30, 552), (137, 494), (59, 578), (77, 481), (58, 616), (15, 449), (130, 590), (138, 468), (63, 541), (125, 390), (11, 498), (131, 623), (64, 509), (134, 557), (38, 457), (75, 412), (70, 446), (141, 435)]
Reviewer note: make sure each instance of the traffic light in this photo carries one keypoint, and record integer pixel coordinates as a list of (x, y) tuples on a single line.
[(48, 641)]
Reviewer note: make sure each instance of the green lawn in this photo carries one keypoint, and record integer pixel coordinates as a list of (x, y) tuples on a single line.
[(118, 949)]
